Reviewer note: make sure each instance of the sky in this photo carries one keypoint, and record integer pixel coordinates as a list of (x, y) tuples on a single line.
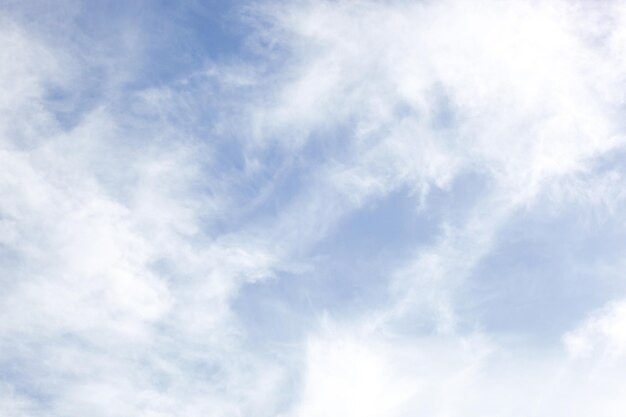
[(312, 208)]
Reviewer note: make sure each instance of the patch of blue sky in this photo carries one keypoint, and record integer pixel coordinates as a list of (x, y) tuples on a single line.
[(124, 48), (543, 276), (350, 270), (355, 261)]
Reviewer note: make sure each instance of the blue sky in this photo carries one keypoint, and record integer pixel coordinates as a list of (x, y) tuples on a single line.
[(312, 208)]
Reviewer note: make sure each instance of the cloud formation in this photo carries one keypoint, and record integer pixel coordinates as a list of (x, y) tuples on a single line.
[(309, 208)]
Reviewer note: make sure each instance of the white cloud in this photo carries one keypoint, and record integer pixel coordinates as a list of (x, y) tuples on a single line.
[(113, 295), (602, 334), (125, 238)]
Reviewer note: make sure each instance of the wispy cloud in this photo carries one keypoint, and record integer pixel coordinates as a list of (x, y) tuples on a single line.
[(312, 208)]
